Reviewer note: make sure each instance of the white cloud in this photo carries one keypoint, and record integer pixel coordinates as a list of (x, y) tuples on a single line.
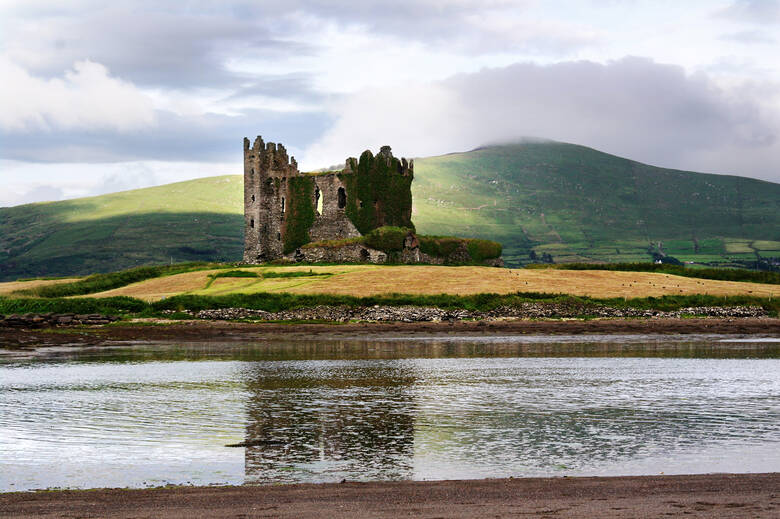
[(85, 97), (25, 182)]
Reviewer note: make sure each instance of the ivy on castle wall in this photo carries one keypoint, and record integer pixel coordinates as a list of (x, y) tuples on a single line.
[(378, 194), (299, 212)]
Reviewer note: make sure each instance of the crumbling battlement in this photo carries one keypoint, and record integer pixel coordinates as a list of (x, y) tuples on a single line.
[(270, 158), (285, 209)]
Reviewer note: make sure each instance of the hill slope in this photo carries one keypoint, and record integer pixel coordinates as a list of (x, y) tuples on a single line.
[(187, 221), (579, 204), (572, 202)]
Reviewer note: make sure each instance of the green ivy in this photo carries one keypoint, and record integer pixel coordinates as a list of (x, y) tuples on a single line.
[(385, 194), (299, 213)]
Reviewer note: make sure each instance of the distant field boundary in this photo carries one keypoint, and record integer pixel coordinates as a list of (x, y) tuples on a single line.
[(718, 274), (281, 301)]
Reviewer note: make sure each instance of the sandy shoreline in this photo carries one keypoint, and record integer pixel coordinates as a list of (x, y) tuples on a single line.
[(223, 331), (708, 495)]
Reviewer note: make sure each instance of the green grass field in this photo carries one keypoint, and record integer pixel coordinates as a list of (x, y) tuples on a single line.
[(574, 203)]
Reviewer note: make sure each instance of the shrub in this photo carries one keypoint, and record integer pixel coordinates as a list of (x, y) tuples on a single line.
[(235, 274), (481, 250), (439, 246), (387, 239)]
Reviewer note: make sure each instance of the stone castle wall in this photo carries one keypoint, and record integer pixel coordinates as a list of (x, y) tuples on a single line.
[(288, 212), (330, 220), (269, 198)]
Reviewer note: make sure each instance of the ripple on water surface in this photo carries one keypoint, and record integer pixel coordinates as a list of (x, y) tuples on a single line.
[(136, 421)]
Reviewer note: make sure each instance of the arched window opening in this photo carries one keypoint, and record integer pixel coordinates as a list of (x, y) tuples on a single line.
[(252, 223), (317, 200), (342, 198), (253, 199), (282, 204), (279, 236), (252, 173)]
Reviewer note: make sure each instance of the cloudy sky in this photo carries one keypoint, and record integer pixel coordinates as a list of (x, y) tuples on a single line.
[(101, 96)]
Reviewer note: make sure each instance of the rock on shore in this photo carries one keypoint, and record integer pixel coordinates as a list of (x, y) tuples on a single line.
[(52, 319), (380, 313)]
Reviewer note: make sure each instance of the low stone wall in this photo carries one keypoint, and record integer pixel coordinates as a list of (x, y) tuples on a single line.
[(359, 253), (381, 313), (352, 253), (51, 319)]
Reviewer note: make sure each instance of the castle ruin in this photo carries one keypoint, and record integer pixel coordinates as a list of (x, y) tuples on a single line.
[(285, 209)]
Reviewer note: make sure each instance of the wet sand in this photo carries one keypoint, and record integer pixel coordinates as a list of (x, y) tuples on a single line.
[(718, 495), (222, 331)]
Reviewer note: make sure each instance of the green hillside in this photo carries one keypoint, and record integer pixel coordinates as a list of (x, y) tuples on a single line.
[(187, 221), (571, 202), (578, 204)]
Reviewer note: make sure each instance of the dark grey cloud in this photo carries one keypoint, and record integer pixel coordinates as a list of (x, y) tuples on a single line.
[(298, 87), (158, 47), (633, 107), (207, 138), (654, 108)]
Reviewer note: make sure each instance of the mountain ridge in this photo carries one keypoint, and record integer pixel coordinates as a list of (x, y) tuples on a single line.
[(570, 202)]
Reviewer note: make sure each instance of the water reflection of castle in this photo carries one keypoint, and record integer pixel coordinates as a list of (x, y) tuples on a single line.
[(321, 421)]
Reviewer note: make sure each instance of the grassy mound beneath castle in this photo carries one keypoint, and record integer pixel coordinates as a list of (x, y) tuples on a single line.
[(390, 240)]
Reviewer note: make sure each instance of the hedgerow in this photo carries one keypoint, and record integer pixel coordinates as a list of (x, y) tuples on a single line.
[(279, 301)]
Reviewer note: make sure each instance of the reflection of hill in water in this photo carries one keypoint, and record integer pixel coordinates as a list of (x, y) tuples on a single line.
[(325, 421)]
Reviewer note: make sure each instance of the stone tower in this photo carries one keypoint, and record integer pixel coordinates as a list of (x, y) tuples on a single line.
[(266, 172)]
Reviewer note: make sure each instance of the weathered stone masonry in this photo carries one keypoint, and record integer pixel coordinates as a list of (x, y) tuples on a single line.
[(284, 208)]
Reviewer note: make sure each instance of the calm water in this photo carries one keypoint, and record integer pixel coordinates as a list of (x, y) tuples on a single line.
[(389, 409)]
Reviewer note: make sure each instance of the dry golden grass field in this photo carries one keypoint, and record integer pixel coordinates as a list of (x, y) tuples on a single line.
[(7, 288), (365, 280)]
